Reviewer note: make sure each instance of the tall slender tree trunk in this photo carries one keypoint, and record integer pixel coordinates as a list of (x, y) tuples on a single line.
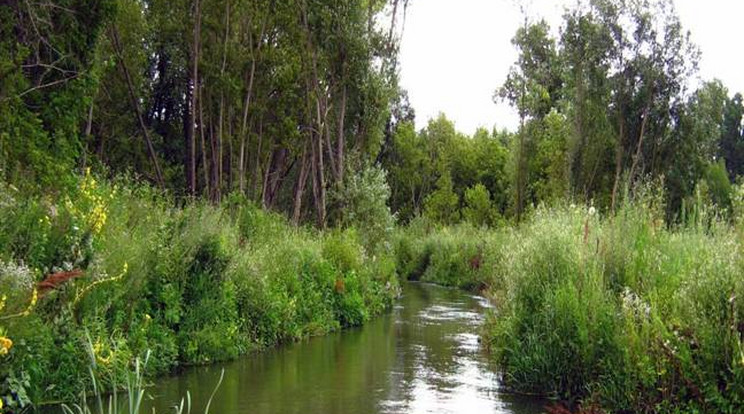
[(639, 148), (214, 152), (243, 163), (194, 81), (257, 166), (274, 176), (300, 188), (331, 156), (220, 139), (322, 187), (341, 136), (229, 156), (619, 151), (321, 114), (244, 128), (134, 99), (203, 143), (88, 135)]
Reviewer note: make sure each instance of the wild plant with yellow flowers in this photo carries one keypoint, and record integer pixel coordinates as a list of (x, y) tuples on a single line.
[(16, 279), (5, 342), (89, 208)]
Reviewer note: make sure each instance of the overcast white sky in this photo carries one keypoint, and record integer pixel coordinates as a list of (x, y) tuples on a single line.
[(455, 53)]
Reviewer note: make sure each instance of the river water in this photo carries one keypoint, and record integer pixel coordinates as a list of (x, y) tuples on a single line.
[(422, 357)]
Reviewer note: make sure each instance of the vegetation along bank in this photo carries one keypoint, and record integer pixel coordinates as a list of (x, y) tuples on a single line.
[(205, 178)]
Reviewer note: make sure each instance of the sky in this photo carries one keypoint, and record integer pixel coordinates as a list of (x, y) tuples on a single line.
[(456, 53)]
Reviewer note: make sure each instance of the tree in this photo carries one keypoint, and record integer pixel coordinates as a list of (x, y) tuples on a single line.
[(363, 204), (533, 86), (479, 209), (47, 75), (443, 205), (695, 143), (732, 136)]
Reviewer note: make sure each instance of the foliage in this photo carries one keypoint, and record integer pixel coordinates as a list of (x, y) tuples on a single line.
[(443, 205), (363, 199), (479, 209), (622, 313), (194, 284)]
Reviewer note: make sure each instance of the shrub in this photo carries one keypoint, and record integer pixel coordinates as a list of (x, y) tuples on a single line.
[(192, 285)]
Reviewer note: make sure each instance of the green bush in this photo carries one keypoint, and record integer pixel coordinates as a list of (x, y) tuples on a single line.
[(192, 285)]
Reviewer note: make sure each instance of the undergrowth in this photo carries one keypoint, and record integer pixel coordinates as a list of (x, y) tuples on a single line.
[(192, 284), (626, 313)]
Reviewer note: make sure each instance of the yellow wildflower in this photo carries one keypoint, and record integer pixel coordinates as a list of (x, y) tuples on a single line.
[(99, 350), (32, 304), (2, 302), (85, 290), (5, 345)]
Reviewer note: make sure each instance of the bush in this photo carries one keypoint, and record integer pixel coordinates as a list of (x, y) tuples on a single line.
[(479, 210), (194, 285), (363, 200)]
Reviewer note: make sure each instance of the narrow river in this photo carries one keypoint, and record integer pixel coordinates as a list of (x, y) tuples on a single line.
[(423, 357)]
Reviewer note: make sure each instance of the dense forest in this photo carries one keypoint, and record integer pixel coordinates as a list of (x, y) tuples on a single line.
[(158, 157), (286, 103)]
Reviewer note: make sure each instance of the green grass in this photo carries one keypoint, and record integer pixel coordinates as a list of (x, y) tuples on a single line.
[(193, 285), (622, 312)]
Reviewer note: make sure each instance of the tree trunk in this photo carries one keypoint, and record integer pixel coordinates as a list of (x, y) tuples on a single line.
[(274, 177), (248, 95), (639, 148), (300, 188), (219, 178), (619, 151), (244, 127), (88, 134), (194, 81), (257, 167), (341, 138), (203, 141), (322, 187), (214, 152), (136, 107), (321, 113)]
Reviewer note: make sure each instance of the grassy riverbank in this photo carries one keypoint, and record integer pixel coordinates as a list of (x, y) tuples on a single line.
[(624, 312), (620, 313), (194, 285)]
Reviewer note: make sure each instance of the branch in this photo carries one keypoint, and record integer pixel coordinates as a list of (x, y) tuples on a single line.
[(47, 85)]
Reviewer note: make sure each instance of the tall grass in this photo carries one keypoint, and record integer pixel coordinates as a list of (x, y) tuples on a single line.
[(624, 312), (134, 392), (193, 284)]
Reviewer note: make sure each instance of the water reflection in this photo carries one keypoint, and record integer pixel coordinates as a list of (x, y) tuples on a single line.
[(423, 357)]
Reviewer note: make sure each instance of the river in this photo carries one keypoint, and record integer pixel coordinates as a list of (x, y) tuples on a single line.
[(422, 357)]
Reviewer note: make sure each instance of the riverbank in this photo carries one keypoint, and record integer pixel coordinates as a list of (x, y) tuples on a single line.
[(623, 313), (620, 313), (116, 266)]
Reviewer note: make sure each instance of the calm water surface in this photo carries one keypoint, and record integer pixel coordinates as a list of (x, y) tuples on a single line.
[(423, 357)]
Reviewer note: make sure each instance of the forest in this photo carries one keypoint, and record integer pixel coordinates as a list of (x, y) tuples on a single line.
[(201, 180)]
